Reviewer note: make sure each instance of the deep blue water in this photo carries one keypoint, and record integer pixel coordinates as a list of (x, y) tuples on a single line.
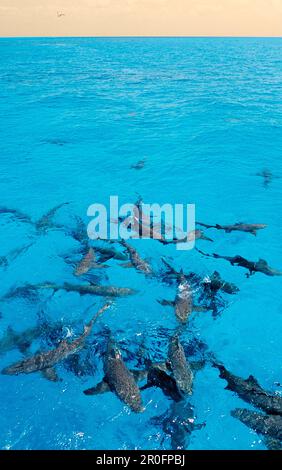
[(75, 114)]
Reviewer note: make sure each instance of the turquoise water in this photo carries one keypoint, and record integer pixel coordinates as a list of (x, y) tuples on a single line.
[(75, 114)]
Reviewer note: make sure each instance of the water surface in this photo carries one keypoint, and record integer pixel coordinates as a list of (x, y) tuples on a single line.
[(75, 114)]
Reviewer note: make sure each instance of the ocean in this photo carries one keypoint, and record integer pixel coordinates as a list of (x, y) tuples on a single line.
[(76, 114)]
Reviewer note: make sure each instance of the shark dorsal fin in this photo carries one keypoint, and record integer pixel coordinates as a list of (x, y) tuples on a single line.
[(262, 262), (251, 380)]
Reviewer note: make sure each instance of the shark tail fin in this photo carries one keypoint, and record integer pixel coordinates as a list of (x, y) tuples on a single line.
[(100, 312), (166, 263), (205, 225), (204, 237)]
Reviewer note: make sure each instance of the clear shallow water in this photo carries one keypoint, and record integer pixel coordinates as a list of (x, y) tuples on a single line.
[(75, 115)]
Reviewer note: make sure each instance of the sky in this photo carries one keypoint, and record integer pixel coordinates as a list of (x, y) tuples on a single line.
[(141, 18)]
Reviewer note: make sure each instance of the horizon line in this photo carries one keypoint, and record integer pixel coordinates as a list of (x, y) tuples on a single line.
[(142, 37)]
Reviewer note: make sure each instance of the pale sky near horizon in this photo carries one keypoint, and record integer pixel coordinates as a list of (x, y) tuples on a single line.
[(141, 18)]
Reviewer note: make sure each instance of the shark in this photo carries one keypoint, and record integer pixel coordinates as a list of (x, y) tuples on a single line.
[(119, 380), (45, 361), (178, 423), (269, 426), (239, 227), (30, 290), (136, 261), (251, 391), (87, 263), (180, 367), (260, 266), (41, 225), (183, 303)]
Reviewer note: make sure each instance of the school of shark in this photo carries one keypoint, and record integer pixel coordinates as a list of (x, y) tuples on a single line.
[(174, 374)]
